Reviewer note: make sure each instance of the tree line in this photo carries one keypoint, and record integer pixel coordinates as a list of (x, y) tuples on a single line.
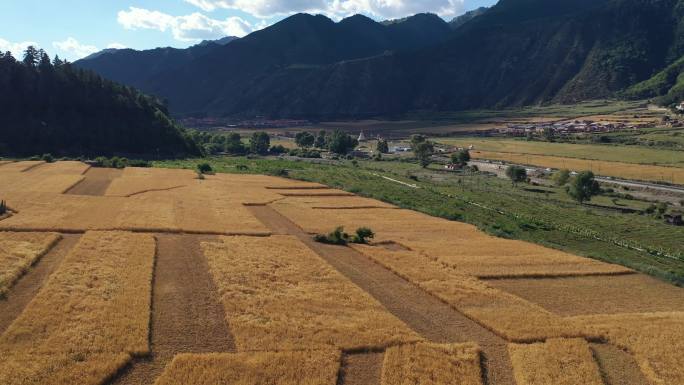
[(49, 106)]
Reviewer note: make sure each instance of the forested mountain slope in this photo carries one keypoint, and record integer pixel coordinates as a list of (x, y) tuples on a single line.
[(52, 107)]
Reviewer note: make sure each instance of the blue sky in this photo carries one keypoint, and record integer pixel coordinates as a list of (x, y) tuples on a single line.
[(76, 28)]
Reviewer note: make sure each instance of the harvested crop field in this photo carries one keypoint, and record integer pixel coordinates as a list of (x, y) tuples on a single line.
[(149, 276), (18, 251)]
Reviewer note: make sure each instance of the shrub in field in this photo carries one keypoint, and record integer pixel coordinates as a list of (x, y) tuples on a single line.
[(339, 237), (516, 174), (363, 234), (562, 177), (48, 158), (336, 237), (204, 168), (3, 208)]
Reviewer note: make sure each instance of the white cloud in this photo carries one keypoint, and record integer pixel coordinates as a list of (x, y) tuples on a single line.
[(17, 49), (193, 27), (116, 46), (382, 9), (74, 49)]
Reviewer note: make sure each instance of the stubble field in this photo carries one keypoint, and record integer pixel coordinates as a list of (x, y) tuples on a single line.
[(148, 276)]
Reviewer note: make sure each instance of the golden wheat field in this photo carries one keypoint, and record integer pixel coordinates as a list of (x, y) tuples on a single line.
[(561, 362), (280, 294), (18, 251), (256, 368), (150, 276)]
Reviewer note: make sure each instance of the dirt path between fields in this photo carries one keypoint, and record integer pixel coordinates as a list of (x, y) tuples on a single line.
[(96, 181), (187, 316), (30, 283), (617, 367), (427, 315)]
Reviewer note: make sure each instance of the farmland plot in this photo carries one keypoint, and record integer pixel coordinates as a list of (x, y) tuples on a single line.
[(509, 316), (434, 364), (459, 245), (256, 368), (557, 361), (88, 319), (655, 340), (279, 295), (18, 251)]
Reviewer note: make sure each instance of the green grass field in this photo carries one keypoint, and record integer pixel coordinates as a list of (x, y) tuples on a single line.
[(638, 241)]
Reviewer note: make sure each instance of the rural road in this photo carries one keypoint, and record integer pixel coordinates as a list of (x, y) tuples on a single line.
[(500, 170)]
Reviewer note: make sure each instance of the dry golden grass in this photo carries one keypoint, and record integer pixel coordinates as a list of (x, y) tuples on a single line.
[(614, 169), (655, 339), (459, 245), (432, 364), (279, 295), (508, 316), (88, 318), (555, 362), (139, 180), (283, 368), (14, 167), (202, 207), (41, 177), (18, 251)]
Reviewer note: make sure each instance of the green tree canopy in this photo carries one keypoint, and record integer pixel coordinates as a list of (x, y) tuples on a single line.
[(516, 174), (341, 143), (383, 146), (583, 187), (260, 143), (305, 139)]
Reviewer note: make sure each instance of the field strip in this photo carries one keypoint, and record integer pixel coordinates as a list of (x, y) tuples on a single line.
[(361, 369), (20, 251), (557, 362), (573, 296), (617, 366), (187, 316), (254, 368), (88, 319), (154, 190), (654, 339), (96, 182), (34, 166), (436, 364), (278, 294), (30, 283), (423, 312)]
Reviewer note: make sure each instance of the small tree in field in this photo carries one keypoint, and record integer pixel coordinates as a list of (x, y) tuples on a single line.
[(260, 143), (562, 177), (3, 208), (516, 174), (583, 187), (461, 157), (305, 139), (383, 147)]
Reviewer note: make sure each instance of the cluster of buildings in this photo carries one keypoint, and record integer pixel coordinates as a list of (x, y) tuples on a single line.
[(568, 127)]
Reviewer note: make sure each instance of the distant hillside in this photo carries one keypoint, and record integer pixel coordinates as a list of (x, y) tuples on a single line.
[(518, 52), (56, 108), (213, 81), (666, 87), (136, 68), (466, 17)]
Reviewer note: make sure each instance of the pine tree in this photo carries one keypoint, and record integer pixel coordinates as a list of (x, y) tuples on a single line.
[(31, 56)]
